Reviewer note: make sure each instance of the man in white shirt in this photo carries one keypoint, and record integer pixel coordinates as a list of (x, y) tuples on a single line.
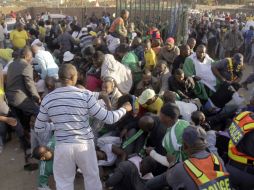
[(46, 62)]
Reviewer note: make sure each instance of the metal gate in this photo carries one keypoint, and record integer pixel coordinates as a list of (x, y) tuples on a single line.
[(170, 16)]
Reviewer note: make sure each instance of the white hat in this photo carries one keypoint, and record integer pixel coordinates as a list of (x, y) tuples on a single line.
[(145, 96), (84, 30), (68, 56), (37, 42)]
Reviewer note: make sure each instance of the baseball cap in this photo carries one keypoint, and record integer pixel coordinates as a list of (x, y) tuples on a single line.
[(170, 40), (238, 57), (145, 96), (68, 56), (193, 135)]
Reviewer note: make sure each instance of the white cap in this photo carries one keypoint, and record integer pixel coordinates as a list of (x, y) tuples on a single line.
[(68, 56), (37, 42)]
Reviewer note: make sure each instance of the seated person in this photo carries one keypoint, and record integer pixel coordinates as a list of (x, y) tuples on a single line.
[(147, 81), (150, 56), (45, 155), (186, 108), (110, 88), (179, 61), (183, 86), (131, 174), (162, 73), (150, 101), (229, 69)]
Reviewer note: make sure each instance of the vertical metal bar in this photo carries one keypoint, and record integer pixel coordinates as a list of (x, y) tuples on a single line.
[(144, 8), (135, 9), (149, 14), (126, 3), (120, 6), (154, 9), (116, 7), (130, 9)]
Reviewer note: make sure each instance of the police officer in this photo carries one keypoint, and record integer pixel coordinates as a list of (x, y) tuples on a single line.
[(241, 151), (203, 170)]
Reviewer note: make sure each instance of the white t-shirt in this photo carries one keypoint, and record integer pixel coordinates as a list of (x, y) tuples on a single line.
[(186, 109)]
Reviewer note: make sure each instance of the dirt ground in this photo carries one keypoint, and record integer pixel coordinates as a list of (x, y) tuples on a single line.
[(14, 177)]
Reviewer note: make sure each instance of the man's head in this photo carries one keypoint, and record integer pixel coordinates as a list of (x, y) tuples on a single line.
[(146, 123), (35, 49), (108, 85), (238, 62), (98, 59), (121, 51), (147, 45), (194, 140), (42, 153), (136, 42), (185, 50), (161, 66), (179, 75), (192, 43), (169, 114), (170, 43), (198, 117), (68, 74), (19, 27), (125, 15), (147, 77), (50, 83), (147, 97), (169, 97), (201, 52), (27, 55)]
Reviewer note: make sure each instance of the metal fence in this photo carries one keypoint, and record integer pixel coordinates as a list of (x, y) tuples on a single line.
[(170, 16)]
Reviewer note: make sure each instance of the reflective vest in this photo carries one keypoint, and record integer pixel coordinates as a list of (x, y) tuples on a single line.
[(241, 125), (207, 173)]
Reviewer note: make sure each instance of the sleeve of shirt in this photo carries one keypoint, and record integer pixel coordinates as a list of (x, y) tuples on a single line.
[(42, 121), (29, 82), (43, 176), (109, 117)]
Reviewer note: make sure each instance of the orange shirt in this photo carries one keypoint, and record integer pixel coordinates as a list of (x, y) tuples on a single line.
[(117, 25)]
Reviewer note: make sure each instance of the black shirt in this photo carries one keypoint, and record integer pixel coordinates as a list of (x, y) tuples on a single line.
[(178, 63), (246, 145)]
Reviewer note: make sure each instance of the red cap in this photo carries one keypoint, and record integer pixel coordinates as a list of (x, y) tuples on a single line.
[(170, 40)]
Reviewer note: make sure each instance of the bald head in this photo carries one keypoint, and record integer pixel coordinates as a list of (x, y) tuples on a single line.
[(146, 123), (68, 74)]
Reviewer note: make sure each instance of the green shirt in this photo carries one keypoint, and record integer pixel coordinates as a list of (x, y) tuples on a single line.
[(46, 167), (172, 141), (131, 61)]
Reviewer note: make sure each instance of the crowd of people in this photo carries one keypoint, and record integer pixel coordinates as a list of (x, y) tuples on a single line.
[(126, 108)]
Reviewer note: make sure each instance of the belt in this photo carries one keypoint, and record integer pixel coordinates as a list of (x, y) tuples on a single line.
[(244, 167)]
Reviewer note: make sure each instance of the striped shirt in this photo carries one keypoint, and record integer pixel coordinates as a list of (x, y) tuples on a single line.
[(68, 109)]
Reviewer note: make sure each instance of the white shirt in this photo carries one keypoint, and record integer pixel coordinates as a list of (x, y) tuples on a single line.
[(186, 109), (47, 64)]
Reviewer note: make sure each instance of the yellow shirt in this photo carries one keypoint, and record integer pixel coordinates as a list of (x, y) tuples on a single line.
[(150, 59), (154, 107), (6, 54), (42, 31), (18, 39)]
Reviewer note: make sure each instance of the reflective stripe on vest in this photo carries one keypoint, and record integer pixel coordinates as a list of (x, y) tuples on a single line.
[(244, 159), (242, 124), (201, 176)]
